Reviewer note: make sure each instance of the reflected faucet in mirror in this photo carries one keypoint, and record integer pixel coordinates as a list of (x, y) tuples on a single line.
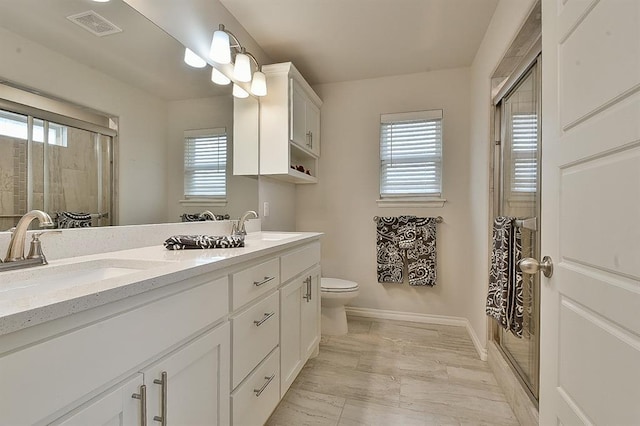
[(15, 253)]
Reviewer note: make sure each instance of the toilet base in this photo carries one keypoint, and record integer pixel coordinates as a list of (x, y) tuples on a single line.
[(334, 321)]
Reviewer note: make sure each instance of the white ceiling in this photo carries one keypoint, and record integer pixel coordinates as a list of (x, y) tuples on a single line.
[(341, 40)]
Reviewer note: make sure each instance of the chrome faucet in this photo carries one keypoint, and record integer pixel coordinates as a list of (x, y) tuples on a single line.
[(207, 214), (239, 227), (15, 252)]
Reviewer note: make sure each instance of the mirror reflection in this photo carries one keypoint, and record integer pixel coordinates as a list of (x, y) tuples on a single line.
[(137, 80)]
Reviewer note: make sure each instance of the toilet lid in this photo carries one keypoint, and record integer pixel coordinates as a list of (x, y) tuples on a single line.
[(336, 285)]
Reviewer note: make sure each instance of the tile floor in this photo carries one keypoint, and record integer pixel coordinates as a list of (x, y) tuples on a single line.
[(392, 373)]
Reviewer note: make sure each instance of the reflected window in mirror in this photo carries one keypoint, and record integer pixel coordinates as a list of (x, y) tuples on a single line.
[(205, 164), (55, 163)]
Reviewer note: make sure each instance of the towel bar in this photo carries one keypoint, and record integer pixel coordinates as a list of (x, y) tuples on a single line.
[(439, 219), (530, 223)]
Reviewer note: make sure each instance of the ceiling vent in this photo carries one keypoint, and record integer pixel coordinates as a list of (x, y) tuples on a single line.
[(94, 23)]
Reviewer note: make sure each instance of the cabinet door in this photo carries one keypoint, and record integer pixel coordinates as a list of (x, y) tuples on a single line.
[(298, 131), (312, 113), (290, 332), (195, 390), (115, 407), (310, 315)]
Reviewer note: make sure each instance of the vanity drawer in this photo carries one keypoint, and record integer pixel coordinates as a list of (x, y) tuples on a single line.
[(255, 333), (300, 260), (254, 401), (253, 282)]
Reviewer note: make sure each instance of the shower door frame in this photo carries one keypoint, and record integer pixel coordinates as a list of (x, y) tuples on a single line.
[(499, 125)]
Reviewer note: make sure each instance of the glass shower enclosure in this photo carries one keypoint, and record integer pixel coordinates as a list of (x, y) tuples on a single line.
[(517, 168)]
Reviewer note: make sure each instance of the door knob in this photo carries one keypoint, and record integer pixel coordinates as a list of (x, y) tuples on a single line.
[(529, 265)]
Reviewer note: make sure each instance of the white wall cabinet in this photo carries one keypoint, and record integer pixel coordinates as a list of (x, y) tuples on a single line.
[(289, 125), (305, 120)]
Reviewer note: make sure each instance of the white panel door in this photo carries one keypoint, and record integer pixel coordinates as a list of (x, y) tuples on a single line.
[(590, 307)]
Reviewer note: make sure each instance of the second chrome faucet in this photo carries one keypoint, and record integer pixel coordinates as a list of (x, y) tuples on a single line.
[(238, 228)]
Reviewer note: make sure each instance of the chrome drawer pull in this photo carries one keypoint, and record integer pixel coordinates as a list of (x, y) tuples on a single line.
[(266, 280), (269, 379), (142, 396), (266, 317)]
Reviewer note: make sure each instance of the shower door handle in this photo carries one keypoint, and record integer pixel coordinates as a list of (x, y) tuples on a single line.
[(531, 266)]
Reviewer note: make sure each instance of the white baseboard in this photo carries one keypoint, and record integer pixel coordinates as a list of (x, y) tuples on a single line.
[(421, 318)]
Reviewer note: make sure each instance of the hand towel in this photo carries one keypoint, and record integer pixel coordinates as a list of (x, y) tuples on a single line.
[(504, 299), (390, 259), (186, 242), (421, 257)]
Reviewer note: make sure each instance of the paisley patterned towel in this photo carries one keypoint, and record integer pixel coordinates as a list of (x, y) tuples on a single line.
[(406, 238), (185, 242), (198, 217), (421, 258), (72, 220), (505, 300)]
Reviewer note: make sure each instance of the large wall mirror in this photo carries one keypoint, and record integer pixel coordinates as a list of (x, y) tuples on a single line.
[(135, 77)]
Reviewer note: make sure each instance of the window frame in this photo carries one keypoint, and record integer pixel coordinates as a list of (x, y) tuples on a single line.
[(203, 199), (427, 199)]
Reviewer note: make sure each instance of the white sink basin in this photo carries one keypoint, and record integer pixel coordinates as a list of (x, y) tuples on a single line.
[(271, 236), (53, 277)]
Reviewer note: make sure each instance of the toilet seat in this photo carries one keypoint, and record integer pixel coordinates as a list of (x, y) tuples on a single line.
[(336, 285)]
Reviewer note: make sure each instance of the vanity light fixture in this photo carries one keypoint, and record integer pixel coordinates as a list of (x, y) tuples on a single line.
[(219, 78), (239, 92), (222, 52), (193, 60)]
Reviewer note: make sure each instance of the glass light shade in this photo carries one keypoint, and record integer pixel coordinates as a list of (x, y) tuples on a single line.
[(239, 92), (193, 60), (242, 68), (259, 84), (219, 78), (220, 48)]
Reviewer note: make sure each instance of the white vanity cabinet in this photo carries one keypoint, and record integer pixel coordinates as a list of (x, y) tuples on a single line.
[(214, 348), (300, 312), (289, 125)]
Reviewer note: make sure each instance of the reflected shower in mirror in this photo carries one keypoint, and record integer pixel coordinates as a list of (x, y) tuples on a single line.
[(135, 76)]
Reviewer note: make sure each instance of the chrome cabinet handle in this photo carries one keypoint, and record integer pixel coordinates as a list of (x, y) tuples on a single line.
[(142, 396), (258, 323), (310, 139), (269, 379), (307, 295), (266, 280), (530, 265), (162, 419)]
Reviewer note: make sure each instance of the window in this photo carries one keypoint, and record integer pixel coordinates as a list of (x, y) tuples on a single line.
[(524, 155), (205, 163), (16, 126), (411, 155)]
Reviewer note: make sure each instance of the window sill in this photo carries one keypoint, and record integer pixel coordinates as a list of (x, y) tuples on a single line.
[(412, 202), (204, 202)]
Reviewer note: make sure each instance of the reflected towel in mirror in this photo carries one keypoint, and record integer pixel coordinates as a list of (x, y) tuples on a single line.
[(186, 242)]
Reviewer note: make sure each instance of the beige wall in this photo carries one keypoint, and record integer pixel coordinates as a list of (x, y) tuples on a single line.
[(281, 197), (343, 203), (142, 119), (205, 113), (504, 26)]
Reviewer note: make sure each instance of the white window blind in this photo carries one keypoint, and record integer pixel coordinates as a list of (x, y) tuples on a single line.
[(411, 154), (524, 152), (205, 163)]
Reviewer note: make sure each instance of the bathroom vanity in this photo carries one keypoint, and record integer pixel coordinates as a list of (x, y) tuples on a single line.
[(151, 336)]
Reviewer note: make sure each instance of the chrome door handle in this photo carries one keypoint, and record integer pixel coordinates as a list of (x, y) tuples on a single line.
[(142, 396), (266, 317), (162, 419), (269, 379), (530, 265), (266, 280)]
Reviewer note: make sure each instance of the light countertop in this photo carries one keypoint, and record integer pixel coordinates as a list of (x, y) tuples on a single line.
[(35, 295)]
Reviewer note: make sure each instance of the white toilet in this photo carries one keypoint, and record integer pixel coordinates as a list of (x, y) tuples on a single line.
[(334, 295)]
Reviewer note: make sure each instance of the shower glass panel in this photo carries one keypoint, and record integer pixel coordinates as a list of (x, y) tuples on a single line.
[(53, 167), (520, 198)]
